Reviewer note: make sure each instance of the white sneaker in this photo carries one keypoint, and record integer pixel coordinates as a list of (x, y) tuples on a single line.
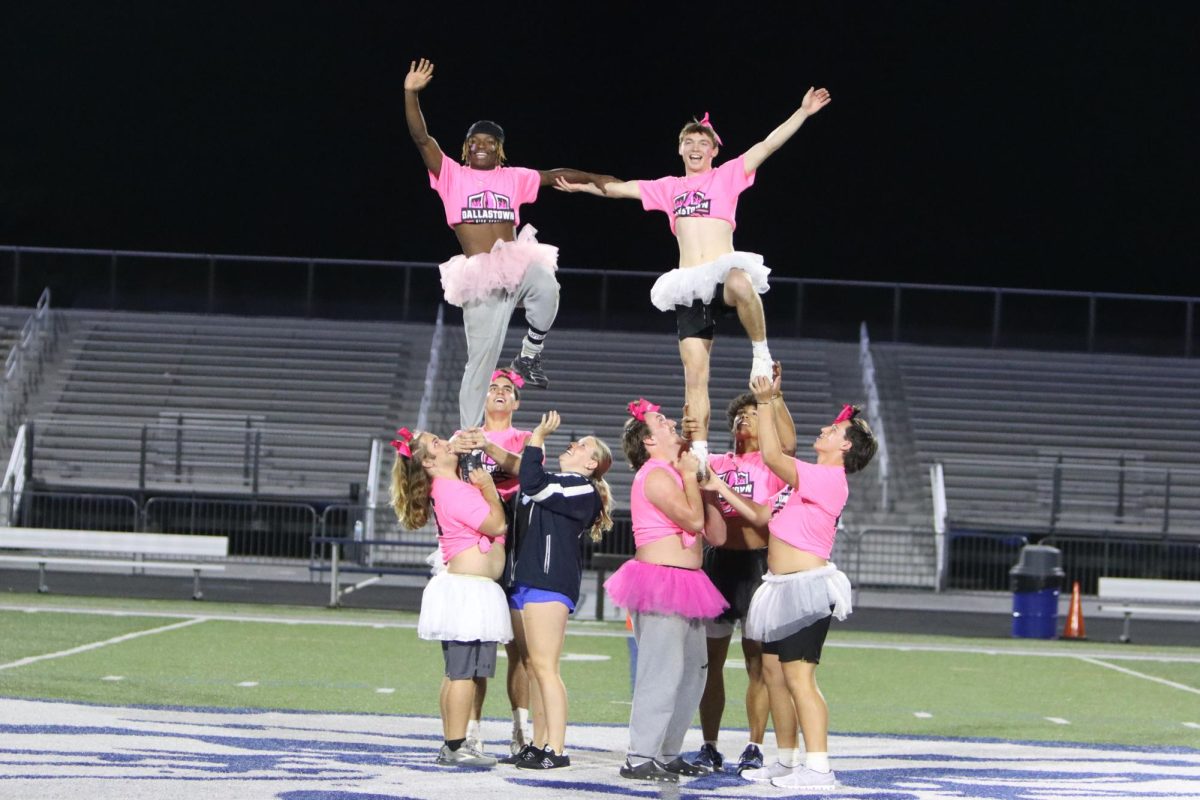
[(805, 778), (768, 773), (761, 368), (474, 743)]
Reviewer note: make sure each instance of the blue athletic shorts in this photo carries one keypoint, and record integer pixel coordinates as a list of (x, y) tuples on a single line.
[(519, 594)]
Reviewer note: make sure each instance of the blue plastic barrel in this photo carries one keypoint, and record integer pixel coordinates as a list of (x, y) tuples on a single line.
[(1036, 581)]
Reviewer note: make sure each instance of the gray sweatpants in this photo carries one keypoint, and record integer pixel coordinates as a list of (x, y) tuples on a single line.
[(672, 666), (485, 323)]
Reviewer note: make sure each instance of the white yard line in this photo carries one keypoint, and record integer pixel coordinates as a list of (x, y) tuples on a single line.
[(83, 648), (571, 631), (1181, 686)]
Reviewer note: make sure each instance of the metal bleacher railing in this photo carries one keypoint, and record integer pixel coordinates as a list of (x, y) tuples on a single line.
[(402, 290)]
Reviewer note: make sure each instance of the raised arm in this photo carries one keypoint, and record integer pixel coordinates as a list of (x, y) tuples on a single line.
[(420, 73), (571, 496), (605, 186), (785, 427), (814, 101), (768, 438), (684, 507)]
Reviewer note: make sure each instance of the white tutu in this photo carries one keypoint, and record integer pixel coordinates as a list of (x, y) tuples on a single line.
[(684, 285), (788, 603), (464, 608)]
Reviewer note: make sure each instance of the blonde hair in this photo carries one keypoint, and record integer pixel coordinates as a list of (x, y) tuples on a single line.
[(466, 152), (604, 459), (410, 487)]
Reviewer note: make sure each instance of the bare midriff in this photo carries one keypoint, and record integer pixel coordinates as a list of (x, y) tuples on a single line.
[(782, 558), (472, 562), (741, 535), (670, 552), (702, 239), (476, 238)]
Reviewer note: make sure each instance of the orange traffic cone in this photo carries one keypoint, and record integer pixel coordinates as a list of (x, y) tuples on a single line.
[(1074, 628)]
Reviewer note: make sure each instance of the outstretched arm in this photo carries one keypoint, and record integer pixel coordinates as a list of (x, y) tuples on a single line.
[(605, 186), (768, 439), (814, 101), (574, 176), (420, 73)]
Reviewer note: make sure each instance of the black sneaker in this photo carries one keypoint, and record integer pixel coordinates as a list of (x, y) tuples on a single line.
[(650, 771), (530, 368), (685, 768), (526, 753), (751, 758), (709, 757), (546, 759)]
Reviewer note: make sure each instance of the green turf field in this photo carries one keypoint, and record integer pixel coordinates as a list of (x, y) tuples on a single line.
[(240, 656)]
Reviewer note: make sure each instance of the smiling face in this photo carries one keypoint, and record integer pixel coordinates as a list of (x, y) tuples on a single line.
[(579, 457), (502, 397), (698, 151), (434, 453), (482, 151)]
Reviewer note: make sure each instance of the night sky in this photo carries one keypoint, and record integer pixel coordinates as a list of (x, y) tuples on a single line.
[(1042, 144)]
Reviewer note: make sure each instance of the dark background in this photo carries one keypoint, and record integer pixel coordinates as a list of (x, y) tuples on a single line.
[(1045, 144)]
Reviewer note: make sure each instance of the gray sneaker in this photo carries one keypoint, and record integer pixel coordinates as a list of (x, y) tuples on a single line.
[(464, 757)]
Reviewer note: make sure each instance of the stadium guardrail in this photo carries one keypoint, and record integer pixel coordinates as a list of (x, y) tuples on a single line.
[(983, 316)]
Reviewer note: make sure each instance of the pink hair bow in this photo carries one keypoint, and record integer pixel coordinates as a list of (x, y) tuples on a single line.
[(514, 377), (404, 436), (847, 413), (709, 124), (639, 408)]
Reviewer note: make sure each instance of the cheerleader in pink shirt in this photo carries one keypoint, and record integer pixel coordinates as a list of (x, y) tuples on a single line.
[(701, 206), (462, 606), (499, 269), (790, 613), (667, 594), (498, 446)]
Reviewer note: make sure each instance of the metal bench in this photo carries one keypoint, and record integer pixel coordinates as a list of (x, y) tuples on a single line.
[(1129, 596), (44, 546)]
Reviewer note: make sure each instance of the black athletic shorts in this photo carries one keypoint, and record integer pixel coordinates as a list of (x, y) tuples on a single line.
[(736, 574), (803, 645), (699, 320)]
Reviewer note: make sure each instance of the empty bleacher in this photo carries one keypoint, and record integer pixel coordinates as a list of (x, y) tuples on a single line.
[(287, 407), (1041, 441)]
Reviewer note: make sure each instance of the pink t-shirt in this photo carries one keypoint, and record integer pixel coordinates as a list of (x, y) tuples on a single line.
[(476, 196), (710, 194), (460, 509), (747, 475), (512, 440), (808, 520), (649, 523)]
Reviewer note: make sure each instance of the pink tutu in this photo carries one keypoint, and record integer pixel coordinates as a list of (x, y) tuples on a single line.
[(658, 589), (503, 268)]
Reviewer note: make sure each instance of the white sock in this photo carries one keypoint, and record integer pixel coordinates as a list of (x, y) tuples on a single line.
[(473, 729), (760, 350), (520, 718), (790, 758), (817, 762), (700, 450)]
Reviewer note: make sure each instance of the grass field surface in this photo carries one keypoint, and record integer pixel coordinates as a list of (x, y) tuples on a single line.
[(267, 657)]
